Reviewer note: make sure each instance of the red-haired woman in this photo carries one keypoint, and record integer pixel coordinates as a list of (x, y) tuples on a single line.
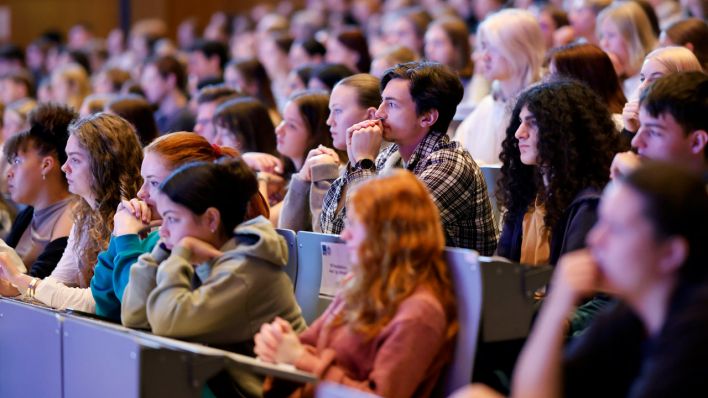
[(399, 296)]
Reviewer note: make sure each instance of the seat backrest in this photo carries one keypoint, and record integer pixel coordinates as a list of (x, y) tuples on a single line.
[(291, 240), (466, 277), (491, 174), (509, 304), (309, 275)]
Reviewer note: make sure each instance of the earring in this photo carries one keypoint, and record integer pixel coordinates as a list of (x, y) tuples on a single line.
[(44, 177)]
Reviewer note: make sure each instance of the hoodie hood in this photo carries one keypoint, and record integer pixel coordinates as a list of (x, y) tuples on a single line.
[(258, 239)]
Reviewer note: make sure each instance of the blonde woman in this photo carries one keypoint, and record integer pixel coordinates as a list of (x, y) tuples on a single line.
[(512, 48), (625, 34), (659, 63), (70, 85), (390, 330)]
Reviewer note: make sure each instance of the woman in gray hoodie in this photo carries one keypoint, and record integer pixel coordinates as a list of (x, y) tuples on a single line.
[(240, 280)]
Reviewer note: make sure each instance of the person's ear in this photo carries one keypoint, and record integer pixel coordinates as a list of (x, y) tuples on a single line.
[(675, 254), (689, 46), (699, 140), (429, 118), (47, 164), (212, 217), (371, 113)]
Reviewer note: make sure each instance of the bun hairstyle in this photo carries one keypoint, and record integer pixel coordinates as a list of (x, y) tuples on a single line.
[(178, 149), (48, 133), (227, 185)]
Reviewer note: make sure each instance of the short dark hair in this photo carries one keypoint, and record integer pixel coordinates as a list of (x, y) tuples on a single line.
[(227, 185), (355, 40), (138, 111), (432, 86), (48, 133), (211, 48), (215, 92), (248, 119), (167, 65), (12, 52), (330, 74), (684, 95), (676, 203), (23, 77), (312, 47)]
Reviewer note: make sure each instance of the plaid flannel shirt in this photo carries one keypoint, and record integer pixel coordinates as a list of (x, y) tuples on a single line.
[(452, 177)]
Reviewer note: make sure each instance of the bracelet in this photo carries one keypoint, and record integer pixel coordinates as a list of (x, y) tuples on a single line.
[(32, 286)]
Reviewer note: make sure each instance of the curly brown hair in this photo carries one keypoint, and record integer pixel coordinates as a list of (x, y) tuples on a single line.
[(115, 157), (577, 140)]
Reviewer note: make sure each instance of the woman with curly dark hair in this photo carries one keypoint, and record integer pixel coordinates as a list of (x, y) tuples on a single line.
[(556, 160)]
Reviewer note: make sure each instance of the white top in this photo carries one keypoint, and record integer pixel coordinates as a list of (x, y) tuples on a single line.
[(483, 131), (59, 290), (630, 86)]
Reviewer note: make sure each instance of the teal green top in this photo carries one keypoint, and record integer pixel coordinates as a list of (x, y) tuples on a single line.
[(113, 270)]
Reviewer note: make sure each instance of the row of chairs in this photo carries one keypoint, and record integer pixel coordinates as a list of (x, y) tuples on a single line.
[(78, 357)]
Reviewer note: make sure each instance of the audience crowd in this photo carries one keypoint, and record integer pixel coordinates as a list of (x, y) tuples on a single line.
[(142, 179)]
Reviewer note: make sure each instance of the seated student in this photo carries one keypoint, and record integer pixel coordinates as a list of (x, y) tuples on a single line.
[(325, 76), (551, 195), (244, 124), (419, 100), (303, 129), (511, 53), (624, 31), (103, 164), (164, 81), (138, 112), (353, 99), (391, 328), (207, 99), (658, 63), (672, 125), (588, 64), (240, 265), (161, 158), (691, 33), (648, 249), (70, 85), (39, 233), (248, 76)]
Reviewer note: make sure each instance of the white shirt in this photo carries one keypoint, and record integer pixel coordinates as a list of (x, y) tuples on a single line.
[(483, 131)]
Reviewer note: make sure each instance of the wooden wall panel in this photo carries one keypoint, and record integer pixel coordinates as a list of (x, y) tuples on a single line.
[(29, 18)]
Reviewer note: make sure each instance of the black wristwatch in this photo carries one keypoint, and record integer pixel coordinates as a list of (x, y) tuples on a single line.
[(365, 164)]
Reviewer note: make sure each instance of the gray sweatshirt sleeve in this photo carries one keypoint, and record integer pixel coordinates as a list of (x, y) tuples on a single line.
[(142, 281), (294, 214), (218, 306), (323, 175), (297, 213)]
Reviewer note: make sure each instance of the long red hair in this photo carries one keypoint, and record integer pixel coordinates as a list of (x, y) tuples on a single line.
[(403, 250)]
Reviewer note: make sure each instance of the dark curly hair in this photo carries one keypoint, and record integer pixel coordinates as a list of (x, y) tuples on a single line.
[(577, 140)]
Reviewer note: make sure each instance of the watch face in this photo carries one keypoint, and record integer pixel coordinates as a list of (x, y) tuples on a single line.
[(366, 164)]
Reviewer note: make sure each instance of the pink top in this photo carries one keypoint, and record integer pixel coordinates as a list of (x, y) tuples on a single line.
[(404, 360)]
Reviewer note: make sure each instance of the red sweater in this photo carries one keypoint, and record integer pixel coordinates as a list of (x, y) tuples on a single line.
[(404, 360)]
